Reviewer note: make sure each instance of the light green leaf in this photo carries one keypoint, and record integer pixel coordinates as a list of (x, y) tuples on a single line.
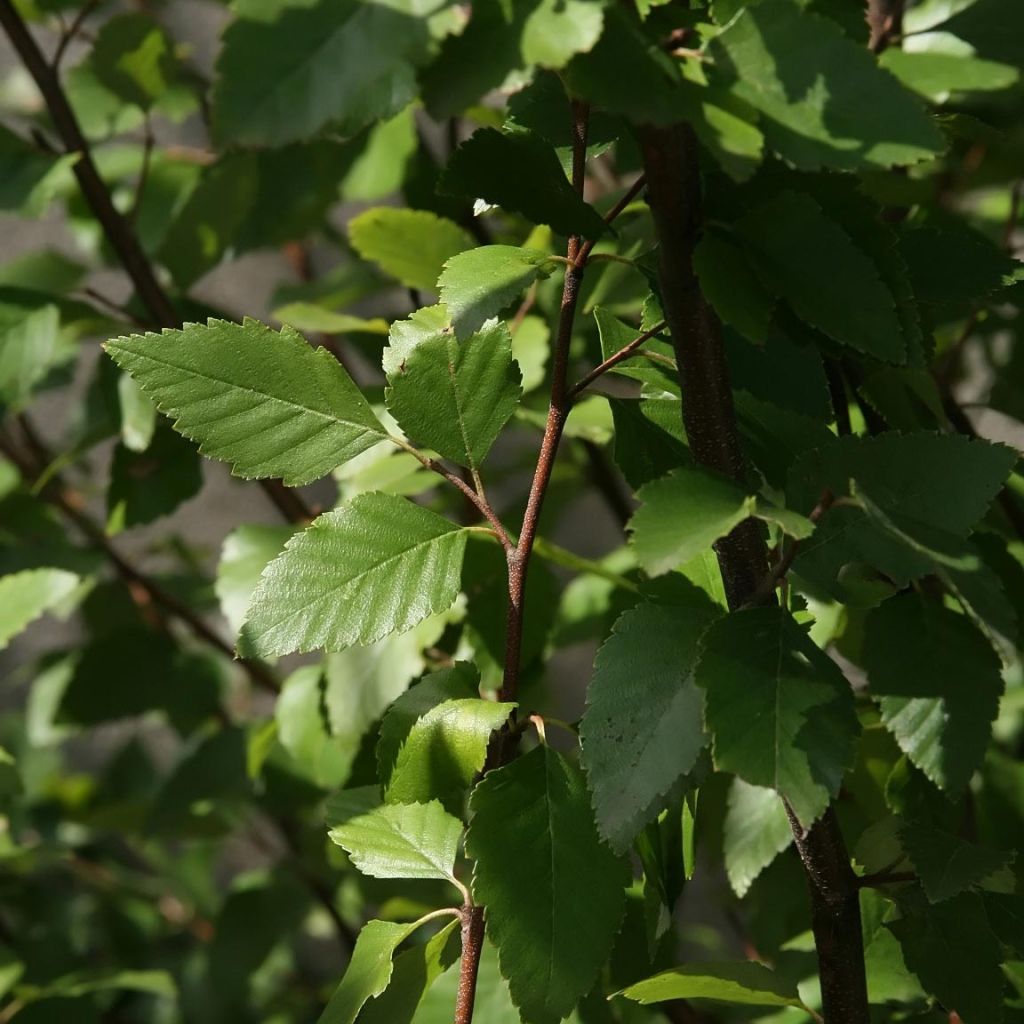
[(402, 841), (133, 58), (138, 414), (381, 166), (947, 864), (539, 189), (408, 245), (303, 732), (556, 29), (415, 971), (829, 282), (682, 514), (554, 892), (444, 751), (918, 656), (369, 970), (378, 565), (456, 396), (479, 283), (823, 101), (643, 726), (780, 711), (243, 557), (264, 401), (308, 316), (747, 983), (459, 681), (289, 69), (24, 596), (938, 76), (29, 348), (755, 832)]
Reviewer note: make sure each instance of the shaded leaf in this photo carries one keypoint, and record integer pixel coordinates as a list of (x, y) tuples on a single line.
[(756, 830)]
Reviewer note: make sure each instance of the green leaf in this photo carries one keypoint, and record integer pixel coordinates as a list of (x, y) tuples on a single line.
[(780, 711), (918, 656), (243, 557), (747, 983), (24, 596), (756, 830), (287, 70), (457, 682), (29, 348), (303, 730), (264, 401), (454, 396), (556, 29), (823, 101), (415, 971), (402, 841), (408, 245), (369, 970), (938, 76), (643, 727), (381, 166), (538, 189), (27, 174), (684, 513), (480, 283), (553, 891), (946, 864), (138, 414), (806, 258), (211, 219), (444, 751), (378, 565), (731, 286), (132, 57), (144, 486), (951, 949)]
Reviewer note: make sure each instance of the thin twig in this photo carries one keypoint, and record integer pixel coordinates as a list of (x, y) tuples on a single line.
[(613, 360), (70, 32), (116, 227), (69, 503)]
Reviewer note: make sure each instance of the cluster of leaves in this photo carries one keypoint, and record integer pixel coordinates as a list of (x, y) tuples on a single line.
[(403, 737)]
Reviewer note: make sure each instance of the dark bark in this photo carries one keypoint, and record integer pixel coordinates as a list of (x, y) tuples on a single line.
[(674, 191)]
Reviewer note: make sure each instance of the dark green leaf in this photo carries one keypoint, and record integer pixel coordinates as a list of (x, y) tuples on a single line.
[(553, 891)]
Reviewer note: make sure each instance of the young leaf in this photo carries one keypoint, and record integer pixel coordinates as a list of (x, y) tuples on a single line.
[(264, 401), (756, 830), (456, 396), (25, 596), (378, 565), (684, 513), (408, 245), (823, 101), (538, 189), (643, 726), (243, 557), (553, 891), (780, 711), (458, 682), (917, 655), (414, 972), (556, 29), (303, 732), (444, 751), (369, 970), (402, 841), (480, 283), (286, 71), (747, 983), (815, 266), (946, 864)]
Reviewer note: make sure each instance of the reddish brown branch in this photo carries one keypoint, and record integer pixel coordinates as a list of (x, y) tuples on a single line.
[(613, 360), (472, 947), (674, 192)]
